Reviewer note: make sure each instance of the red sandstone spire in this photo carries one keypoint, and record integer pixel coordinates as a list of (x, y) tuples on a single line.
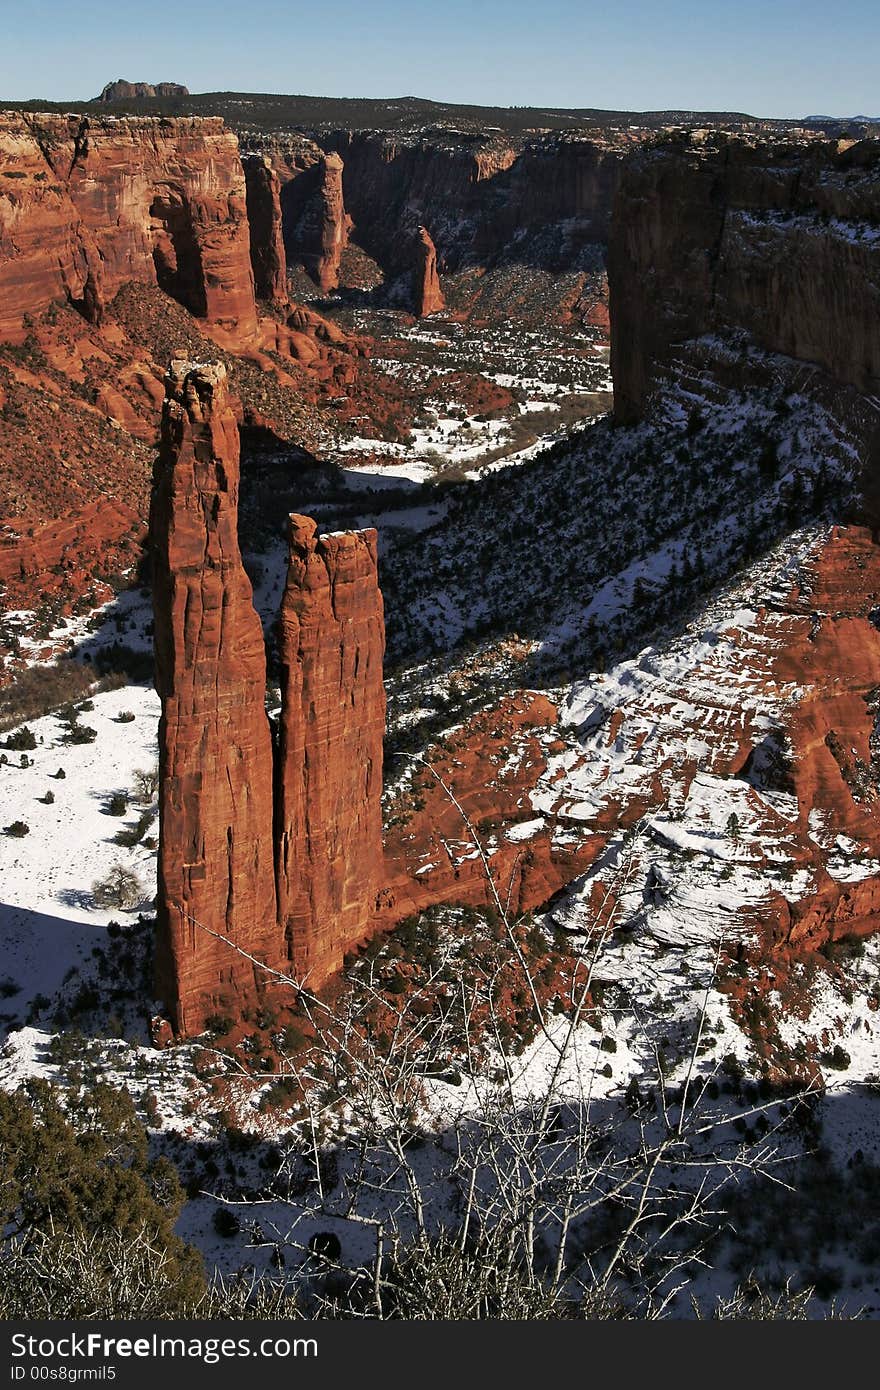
[(329, 769), (268, 260), (427, 294), (215, 751)]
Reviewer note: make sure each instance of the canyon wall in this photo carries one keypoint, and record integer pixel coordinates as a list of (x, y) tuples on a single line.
[(230, 820), (473, 195), (777, 246), (46, 253), (478, 199), (88, 204)]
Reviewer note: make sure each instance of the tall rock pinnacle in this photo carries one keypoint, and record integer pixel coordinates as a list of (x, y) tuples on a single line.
[(232, 826), (215, 748), (268, 259), (329, 772), (323, 229), (426, 291)]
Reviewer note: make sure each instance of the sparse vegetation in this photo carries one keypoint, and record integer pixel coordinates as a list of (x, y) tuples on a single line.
[(121, 887)]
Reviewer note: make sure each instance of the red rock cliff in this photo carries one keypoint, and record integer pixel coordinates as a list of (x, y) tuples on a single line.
[(45, 251), (329, 767), (215, 747), (88, 204)]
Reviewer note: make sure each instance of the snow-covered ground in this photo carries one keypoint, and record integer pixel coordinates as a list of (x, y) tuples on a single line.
[(544, 372), (683, 882), (48, 919)]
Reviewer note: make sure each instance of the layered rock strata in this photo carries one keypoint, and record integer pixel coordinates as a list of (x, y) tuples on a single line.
[(88, 204)]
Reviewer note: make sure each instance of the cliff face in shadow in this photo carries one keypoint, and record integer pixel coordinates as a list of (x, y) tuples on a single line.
[(775, 245)]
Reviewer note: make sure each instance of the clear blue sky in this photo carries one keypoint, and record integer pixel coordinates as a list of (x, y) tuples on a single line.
[(769, 57)]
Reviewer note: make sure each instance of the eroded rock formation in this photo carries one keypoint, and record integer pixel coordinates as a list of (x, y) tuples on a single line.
[(89, 203), (225, 829), (483, 198), (322, 228), (329, 772), (215, 748), (426, 291), (268, 260), (498, 189)]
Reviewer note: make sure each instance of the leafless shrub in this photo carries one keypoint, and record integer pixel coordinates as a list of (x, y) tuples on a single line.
[(108, 1275), (146, 785), (121, 887)]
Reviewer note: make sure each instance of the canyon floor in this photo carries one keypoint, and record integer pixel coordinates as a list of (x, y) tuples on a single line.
[(609, 643)]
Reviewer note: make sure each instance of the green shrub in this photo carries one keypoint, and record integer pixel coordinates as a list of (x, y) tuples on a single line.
[(81, 733), (22, 740), (225, 1222), (83, 1170)]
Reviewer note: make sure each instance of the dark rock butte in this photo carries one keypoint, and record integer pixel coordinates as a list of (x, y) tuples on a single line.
[(329, 767)]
